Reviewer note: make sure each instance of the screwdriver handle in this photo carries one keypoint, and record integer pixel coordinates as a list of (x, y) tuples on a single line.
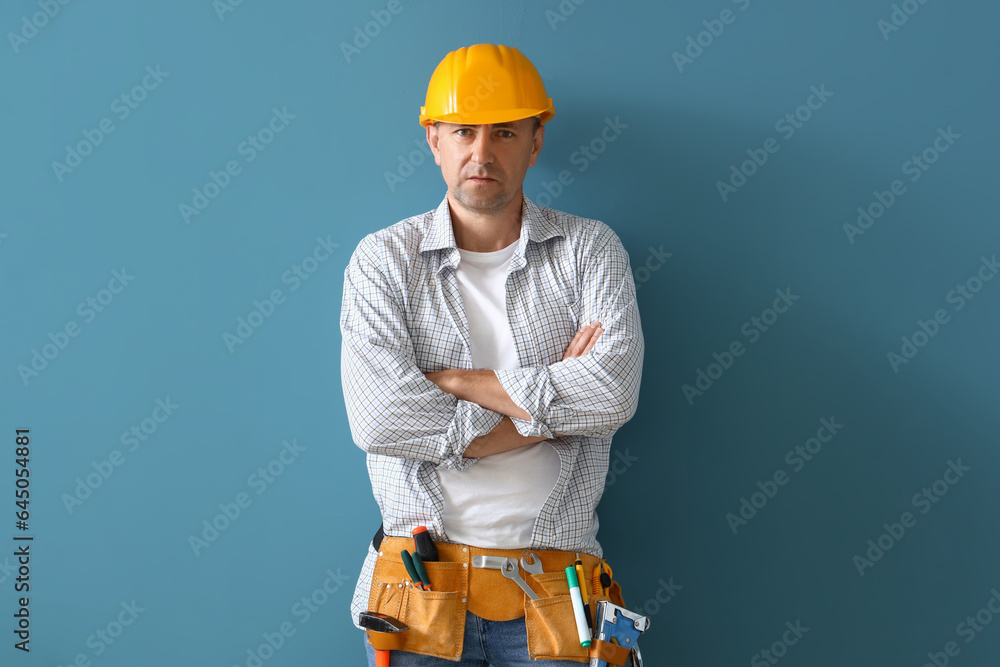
[(418, 565), (410, 569), (424, 545)]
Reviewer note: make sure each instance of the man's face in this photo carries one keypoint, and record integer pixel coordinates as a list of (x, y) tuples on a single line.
[(484, 165)]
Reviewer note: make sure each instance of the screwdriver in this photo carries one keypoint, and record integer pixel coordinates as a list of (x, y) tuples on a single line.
[(418, 565), (410, 569)]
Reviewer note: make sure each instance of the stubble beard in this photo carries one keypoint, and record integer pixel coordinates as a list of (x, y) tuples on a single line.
[(492, 205)]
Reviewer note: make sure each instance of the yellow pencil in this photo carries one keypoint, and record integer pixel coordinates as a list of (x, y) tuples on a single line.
[(579, 574)]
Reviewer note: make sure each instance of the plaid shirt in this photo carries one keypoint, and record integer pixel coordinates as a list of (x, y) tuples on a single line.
[(402, 316)]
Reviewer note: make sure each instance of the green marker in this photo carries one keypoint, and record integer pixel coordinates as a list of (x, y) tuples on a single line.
[(581, 619)]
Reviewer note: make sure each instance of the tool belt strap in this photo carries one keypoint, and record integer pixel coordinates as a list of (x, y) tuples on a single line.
[(613, 654), (486, 592)]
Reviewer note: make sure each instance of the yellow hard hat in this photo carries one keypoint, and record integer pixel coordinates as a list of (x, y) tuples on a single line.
[(483, 84)]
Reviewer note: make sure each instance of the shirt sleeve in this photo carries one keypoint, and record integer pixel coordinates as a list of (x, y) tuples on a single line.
[(592, 395), (393, 410)]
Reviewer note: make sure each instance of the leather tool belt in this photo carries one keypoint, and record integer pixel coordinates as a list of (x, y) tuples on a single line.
[(436, 618)]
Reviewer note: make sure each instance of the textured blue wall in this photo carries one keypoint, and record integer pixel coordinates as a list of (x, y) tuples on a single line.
[(785, 426)]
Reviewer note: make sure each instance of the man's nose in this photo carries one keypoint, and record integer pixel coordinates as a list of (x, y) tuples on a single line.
[(482, 148)]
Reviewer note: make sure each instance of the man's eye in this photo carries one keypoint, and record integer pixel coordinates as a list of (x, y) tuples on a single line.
[(506, 133), (460, 130)]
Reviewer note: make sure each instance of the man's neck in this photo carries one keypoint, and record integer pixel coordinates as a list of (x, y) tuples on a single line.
[(480, 232)]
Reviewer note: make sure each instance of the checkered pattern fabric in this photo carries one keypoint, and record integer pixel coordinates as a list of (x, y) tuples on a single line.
[(402, 316)]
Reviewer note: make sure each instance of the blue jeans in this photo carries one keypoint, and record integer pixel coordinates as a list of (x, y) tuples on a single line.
[(497, 643)]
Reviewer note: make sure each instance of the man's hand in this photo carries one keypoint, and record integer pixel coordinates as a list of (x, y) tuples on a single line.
[(584, 340)]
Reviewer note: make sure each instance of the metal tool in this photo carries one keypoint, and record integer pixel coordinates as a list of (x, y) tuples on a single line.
[(620, 626), (385, 634), (489, 562), (534, 567), (509, 568)]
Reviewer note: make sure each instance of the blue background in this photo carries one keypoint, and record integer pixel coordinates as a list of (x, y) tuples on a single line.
[(715, 595)]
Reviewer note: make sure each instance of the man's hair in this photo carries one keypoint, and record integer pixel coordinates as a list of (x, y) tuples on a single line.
[(534, 126)]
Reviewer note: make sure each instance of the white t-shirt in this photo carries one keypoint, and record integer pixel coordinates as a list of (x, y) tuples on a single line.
[(494, 503)]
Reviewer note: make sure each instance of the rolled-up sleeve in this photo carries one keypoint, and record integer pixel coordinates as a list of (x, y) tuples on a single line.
[(595, 394), (392, 408)]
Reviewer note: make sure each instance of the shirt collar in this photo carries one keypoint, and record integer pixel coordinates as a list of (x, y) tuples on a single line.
[(537, 225)]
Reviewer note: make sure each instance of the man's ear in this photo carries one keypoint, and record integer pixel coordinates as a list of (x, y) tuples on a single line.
[(536, 146), (432, 141)]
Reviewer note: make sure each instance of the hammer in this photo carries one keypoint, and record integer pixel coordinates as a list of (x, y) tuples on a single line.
[(385, 633)]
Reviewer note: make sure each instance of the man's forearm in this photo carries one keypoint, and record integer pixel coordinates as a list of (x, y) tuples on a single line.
[(479, 386), (482, 387), (503, 438)]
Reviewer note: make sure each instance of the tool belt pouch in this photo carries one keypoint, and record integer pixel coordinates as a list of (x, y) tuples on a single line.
[(436, 618), (550, 621)]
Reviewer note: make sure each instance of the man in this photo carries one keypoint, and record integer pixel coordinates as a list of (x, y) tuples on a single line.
[(491, 348)]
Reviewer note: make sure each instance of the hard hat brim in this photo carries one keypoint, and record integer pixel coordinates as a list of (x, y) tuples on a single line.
[(487, 117)]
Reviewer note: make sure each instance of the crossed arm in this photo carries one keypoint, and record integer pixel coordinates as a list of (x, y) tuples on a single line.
[(395, 409), (482, 387)]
